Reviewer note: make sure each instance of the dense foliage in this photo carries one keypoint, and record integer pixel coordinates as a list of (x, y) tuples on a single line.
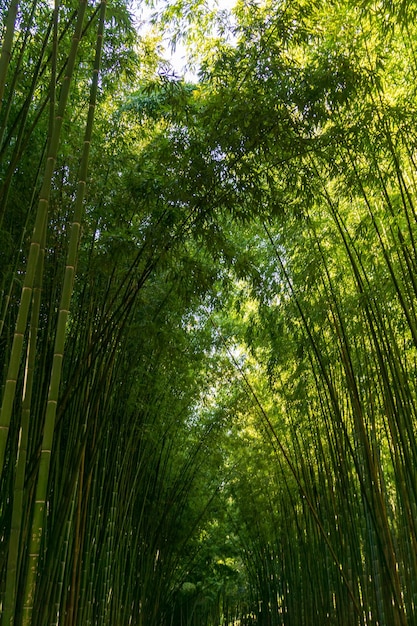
[(208, 325)]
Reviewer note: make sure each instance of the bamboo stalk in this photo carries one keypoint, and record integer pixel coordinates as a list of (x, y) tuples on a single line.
[(55, 377), (6, 48), (40, 225)]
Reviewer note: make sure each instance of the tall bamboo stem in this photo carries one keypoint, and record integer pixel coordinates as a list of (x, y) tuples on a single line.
[(55, 377)]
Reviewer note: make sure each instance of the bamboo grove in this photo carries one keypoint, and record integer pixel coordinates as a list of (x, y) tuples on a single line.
[(208, 326)]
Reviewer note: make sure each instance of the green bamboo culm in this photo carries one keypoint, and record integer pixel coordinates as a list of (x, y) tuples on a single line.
[(20, 136), (6, 49), (55, 378), (14, 554), (40, 222)]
